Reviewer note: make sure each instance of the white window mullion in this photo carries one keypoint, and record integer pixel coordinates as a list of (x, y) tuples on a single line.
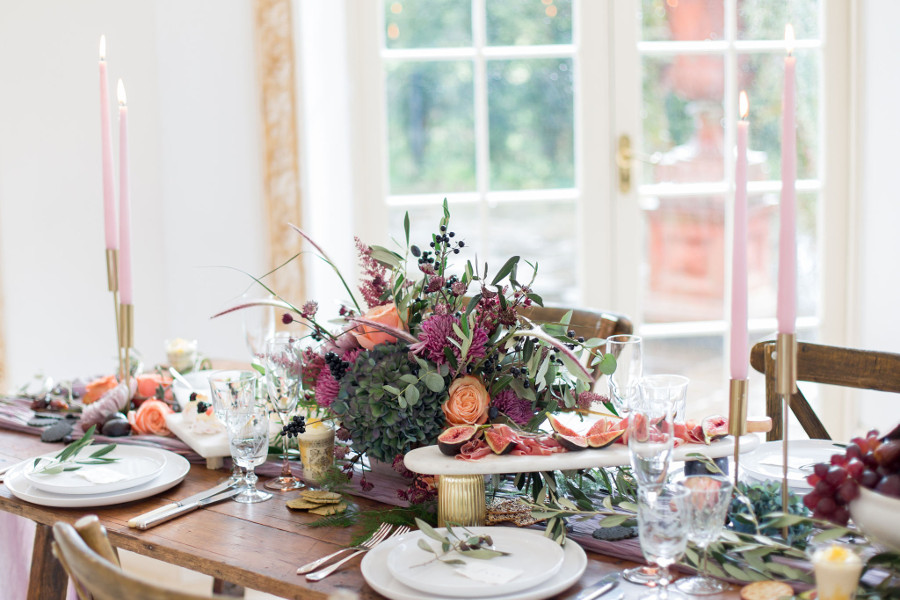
[(482, 139)]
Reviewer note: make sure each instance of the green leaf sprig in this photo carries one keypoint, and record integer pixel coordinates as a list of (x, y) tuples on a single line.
[(68, 460), (469, 545)]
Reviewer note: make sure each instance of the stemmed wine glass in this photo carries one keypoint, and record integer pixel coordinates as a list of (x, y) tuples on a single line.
[(707, 504), (283, 378), (248, 437), (258, 323), (650, 444), (662, 528), (230, 391), (623, 383)]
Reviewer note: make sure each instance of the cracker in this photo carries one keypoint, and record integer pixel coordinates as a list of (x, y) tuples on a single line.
[(301, 504), (320, 495), (766, 590), (322, 501), (327, 510)]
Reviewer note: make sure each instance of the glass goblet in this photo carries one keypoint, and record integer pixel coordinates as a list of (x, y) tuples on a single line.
[(230, 391), (248, 438), (623, 383), (667, 388), (283, 377), (663, 530), (258, 323), (651, 440), (707, 505)]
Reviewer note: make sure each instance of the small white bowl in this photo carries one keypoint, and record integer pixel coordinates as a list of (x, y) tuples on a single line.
[(876, 515)]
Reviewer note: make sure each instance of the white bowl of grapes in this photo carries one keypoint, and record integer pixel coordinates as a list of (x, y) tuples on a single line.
[(862, 483)]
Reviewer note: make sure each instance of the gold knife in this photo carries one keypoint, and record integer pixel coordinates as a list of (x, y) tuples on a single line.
[(174, 505)]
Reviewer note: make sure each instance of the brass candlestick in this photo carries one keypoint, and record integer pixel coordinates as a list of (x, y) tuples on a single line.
[(737, 417), (112, 279), (786, 387), (126, 338)]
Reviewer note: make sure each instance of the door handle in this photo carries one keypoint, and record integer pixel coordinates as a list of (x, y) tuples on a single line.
[(624, 156)]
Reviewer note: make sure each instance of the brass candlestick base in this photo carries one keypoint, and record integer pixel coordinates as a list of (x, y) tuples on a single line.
[(112, 280), (461, 500), (126, 338), (737, 416), (786, 387)]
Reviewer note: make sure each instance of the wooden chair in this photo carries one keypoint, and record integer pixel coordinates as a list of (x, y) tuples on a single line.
[(91, 562), (833, 365)]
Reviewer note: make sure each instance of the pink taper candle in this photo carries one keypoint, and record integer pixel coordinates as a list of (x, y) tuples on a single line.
[(740, 354), (787, 240), (109, 191), (125, 285)]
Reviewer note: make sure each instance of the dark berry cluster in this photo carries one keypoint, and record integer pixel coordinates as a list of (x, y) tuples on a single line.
[(337, 366), (202, 407), (295, 427)]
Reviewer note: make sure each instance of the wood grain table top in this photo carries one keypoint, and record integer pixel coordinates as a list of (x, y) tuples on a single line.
[(258, 546)]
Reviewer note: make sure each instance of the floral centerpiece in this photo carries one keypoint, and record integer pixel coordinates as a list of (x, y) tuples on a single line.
[(436, 339)]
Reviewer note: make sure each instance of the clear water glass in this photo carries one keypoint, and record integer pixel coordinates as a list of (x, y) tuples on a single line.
[(283, 383), (248, 439), (663, 531), (258, 323), (651, 440), (233, 390), (667, 388), (623, 383), (706, 508)]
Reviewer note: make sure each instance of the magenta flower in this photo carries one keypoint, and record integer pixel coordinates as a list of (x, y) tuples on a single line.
[(435, 334), (516, 408)]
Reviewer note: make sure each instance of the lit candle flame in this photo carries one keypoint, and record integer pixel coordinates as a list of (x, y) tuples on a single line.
[(789, 38), (103, 47), (120, 93), (744, 104)]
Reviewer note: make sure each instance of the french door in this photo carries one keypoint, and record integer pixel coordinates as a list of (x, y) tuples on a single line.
[(597, 138)]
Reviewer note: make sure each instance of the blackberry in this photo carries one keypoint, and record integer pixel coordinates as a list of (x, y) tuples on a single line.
[(295, 427), (202, 407)]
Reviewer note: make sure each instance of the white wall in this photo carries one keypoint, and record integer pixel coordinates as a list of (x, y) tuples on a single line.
[(195, 176), (879, 237)]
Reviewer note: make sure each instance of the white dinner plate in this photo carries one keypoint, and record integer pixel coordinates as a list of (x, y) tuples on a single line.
[(765, 463), (200, 382), (532, 560), (135, 465), (175, 469), (375, 572)]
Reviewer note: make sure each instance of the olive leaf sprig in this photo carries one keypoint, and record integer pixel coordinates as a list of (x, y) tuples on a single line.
[(470, 545), (67, 459)]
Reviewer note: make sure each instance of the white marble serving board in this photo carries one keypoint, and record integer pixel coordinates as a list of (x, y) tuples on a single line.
[(206, 445), (432, 461)]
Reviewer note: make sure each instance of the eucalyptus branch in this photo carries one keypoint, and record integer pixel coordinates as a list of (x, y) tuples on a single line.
[(470, 545)]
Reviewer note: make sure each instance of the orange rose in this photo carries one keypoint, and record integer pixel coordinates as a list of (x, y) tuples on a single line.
[(150, 418), (98, 387), (369, 337), (148, 383), (468, 402)]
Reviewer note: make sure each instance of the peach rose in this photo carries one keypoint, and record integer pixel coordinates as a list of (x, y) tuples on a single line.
[(148, 383), (150, 418), (369, 337), (468, 402), (98, 387)]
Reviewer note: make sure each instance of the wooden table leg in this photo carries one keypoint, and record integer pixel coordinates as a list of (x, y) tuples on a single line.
[(226, 588), (48, 580)]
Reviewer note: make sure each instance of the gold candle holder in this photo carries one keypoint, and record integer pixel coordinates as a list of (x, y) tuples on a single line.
[(737, 417), (112, 280), (126, 337), (786, 387), (461, 500)]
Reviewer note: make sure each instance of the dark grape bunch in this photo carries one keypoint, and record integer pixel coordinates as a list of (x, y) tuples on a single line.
[(337, 366), (871, 462), (295, 427)]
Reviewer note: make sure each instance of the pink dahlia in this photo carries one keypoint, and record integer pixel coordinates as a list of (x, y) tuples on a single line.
[(516, 408)]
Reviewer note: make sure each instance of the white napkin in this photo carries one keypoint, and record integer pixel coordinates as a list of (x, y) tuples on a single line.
[(101, 475), (488, 573)]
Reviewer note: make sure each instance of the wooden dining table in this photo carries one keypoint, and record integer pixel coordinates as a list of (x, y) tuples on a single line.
[(256, 546)]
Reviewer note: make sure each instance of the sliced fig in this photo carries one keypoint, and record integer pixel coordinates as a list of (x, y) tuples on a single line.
[(714, 428), (501, 438), (602, 440), (573, 443), (452, 439), (559, 427)]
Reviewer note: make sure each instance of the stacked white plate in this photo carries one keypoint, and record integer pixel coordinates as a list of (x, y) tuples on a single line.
[(137, 473), (535, 568), (766, 462)]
